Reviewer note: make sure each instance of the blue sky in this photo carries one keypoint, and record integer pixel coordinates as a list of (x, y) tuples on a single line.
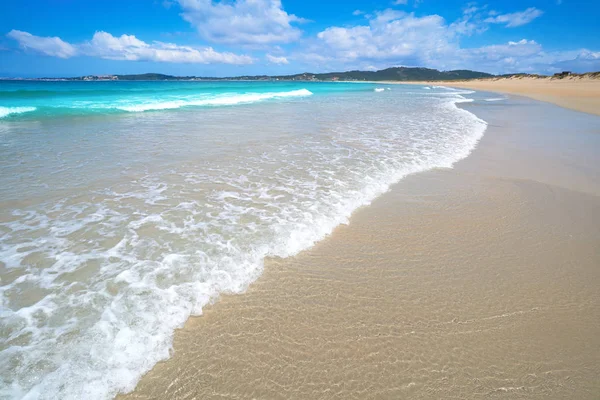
[(239, 37)]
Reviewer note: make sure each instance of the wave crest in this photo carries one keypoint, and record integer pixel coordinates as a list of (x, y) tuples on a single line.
[(6, 111), (226, 100)]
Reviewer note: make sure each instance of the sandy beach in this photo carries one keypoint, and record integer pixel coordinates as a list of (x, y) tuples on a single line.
[(581, 94), (479, 281), (286, 200)]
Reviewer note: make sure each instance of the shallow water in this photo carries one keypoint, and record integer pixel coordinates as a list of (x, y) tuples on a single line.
[(476, 282), (120, 221)]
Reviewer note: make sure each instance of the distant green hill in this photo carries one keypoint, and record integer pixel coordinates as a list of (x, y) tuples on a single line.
[(148, 77), (389, 74), (395, 74), (399, 74)]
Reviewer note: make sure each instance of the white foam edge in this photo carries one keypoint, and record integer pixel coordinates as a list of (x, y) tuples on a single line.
[(224, 100), (6, 111)]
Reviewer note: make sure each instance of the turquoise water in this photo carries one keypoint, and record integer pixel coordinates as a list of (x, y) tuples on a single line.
[(126, 207), (31, 99)]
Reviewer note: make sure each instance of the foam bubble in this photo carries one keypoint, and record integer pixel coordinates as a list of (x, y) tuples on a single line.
[(379, 89), (454, 91)]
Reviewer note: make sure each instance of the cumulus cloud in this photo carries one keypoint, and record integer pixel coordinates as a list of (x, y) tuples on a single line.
[(126, 47), (392, 37), (254, 22), (471, 21), (583, 60), (500, 58), (276, 60), (516, 19), (382, 39), (50, 46), (471, 9), (521, 56), (522, 48)]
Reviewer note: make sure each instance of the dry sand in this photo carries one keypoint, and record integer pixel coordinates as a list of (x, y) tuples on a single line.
[(581, 94), (469, 283)]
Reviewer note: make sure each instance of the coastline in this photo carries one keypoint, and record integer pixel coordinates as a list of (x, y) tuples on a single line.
[(579, 94), (470, 282)]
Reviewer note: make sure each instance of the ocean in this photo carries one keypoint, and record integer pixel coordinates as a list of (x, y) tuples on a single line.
[(127, 207)]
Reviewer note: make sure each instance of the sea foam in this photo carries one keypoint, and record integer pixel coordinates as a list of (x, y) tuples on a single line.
[(222, 100), (6, 111), (112, 269)]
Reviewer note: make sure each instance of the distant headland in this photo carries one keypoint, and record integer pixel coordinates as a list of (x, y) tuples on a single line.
[(399, 74)]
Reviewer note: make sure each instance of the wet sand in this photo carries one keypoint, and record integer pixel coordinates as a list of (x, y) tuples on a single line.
[(580, 94), (475, 282)]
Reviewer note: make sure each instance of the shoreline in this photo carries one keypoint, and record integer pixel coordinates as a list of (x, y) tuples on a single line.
[(578, 94), (379, 308), (269, 186)]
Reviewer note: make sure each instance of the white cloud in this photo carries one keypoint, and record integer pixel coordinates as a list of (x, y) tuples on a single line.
[(399, 2), (50, 46), (507, 53), (276, 60), (357, 12), (471, 9), (126, 47), (516, 19), (382, 39), (521, 56), (393, 37), (471, 22), (255, 22), (580, 60), (384, 16), (589, 55)]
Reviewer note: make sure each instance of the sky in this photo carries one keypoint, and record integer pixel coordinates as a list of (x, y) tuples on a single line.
[(53, 38)]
